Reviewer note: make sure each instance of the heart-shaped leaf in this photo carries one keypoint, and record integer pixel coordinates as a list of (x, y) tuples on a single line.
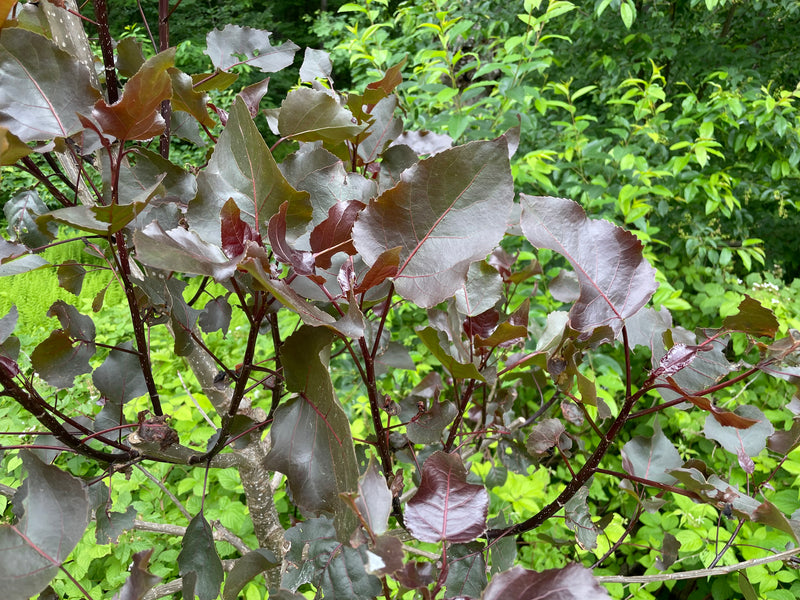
[(136, 115), (616, 281), (447, 212), (651, 457), (52, 508), (226, 46), (243, 168), (199, 562), (446, 507), (43, 87), (573, 582)]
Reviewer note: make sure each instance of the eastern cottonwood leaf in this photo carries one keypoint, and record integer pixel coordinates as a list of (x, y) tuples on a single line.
[(224, 48), (461, 370), (425, 143), (43, 87), (70, 276), (651, 457), (140, 581), (136, 115), (216, 315), (111, 524), (466, 576), (616, 281), (52, 511), (384, 127), (318, 172), (753, 319), (578, 519), (199, 562), (316, 63), (185, 98), (182, 251), (243, 168), (301, 261), (8, 323), (312, 115), (247, 568), (234, 232), (480, 291), (374, 500), (447, 212), (65, 354), (22, 212), (573, 582), (385, 267), (334, 233), (751, 440), (386, 85), (130, 56), (446, 507), (119, 379), (318, 557), (544, 436), (11, 148), (416, 574), (427, 428), (669, 551), (311, 441)]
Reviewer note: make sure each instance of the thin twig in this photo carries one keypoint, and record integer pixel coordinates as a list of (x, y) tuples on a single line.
[(699, 573), (164, 489)]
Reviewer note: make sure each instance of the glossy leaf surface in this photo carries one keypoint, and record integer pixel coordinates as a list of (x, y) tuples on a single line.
[(225, 47), (573, 582), (447, 212), (52, 509), (445, 506), (615, 279)]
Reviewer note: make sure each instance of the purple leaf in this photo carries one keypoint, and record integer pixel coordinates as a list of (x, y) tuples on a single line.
[(446, 507), (253, 94), (243, 168), (374, 500), (140, 581), (247, 568), (316, 63), (615, 279), (311, 441), (544, 436), (224, 48), (651, 457), (750, 441), (573, 582), (334, 233), (234, 232), (752, 319), (578, 519), (432, 215), (310, 115), (43, 87), (425, 142), (52, 510), (199, 562), (182, 251)]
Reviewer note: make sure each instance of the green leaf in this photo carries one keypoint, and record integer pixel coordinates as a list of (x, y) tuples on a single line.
[(43, 87), (52, 510), (136, 115), (447, 212), (199, 562), (460, 370), (628, 13), (224, 48), (243, 168), (311, 440)]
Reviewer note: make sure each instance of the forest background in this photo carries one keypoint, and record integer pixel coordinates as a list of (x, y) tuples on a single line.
[(676, 120)]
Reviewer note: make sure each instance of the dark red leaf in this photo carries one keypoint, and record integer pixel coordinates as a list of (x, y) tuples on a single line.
[(573, 582), (234, 232), (334, 233), (301, 261), (616, 281), (445, 506), (753, 319)]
